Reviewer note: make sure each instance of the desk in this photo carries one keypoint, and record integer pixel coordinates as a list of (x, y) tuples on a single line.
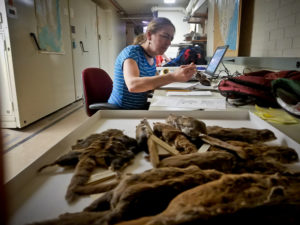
[(213, 88), (292, 130)]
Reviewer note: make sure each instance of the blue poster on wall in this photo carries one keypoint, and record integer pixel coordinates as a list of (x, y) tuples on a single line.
[(231, 39), (227, 15), (49, 25)]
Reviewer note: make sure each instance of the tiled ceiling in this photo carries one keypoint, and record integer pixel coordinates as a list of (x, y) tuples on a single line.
[(136, 11), (140, 8), (133, 7)]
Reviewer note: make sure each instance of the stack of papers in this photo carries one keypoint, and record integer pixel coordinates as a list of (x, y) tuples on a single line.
[(179, 86), (193, 103), (187, 86), (189, 93)]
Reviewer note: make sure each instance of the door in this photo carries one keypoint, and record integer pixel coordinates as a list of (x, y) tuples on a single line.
[(5, 89), (83, 19), (103, 39), (7, 111)]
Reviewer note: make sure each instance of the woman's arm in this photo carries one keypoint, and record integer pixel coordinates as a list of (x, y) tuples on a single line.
[(135, 83)]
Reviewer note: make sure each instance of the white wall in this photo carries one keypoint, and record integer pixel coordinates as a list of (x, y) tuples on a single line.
[(276, 28), (181, 28), (275, 32)]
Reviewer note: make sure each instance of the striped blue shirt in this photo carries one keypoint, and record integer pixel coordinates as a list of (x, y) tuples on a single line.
[(120, 95)]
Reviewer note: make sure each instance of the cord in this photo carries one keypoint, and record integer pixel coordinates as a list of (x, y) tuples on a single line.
[(247, 68), (226, 70)]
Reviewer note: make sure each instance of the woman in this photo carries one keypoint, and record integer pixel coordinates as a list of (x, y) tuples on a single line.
[(135, 67)]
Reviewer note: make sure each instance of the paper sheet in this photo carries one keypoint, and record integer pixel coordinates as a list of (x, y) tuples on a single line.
[(275, 115), (199, 86), (189, 93), (194, 103), (179, 85)]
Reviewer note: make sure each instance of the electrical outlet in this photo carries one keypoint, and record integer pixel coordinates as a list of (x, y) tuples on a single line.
[(12, 12)]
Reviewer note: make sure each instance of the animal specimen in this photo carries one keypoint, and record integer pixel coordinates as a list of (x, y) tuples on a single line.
[(109, 149), (258, 158), (196, 130), (219, 160), (142, 194), (241, 134), (84, 143), (194, 188), (234, 199), (71, 158), (217, 198), (227, 163), (188, 125), (175, 137), (112, 149), (279, 153), (68, 160), (152, 191), (143, 132), (154, 146), (202, 79)]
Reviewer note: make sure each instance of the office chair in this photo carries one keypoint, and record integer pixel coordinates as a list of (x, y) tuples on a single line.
[(97, 87)]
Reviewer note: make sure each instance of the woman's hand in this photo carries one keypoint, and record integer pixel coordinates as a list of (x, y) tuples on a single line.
[(184, 73)]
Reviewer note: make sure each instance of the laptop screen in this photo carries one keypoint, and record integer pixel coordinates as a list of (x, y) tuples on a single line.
[(215, 60)]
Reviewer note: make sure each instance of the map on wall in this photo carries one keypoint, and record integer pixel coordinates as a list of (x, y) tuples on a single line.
[(227, 14), (49, 25)]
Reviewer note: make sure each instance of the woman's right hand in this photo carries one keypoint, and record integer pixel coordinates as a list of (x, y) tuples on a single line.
[(184, 73)]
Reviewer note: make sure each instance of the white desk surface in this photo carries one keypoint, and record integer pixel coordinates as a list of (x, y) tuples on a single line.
[(291, 130)]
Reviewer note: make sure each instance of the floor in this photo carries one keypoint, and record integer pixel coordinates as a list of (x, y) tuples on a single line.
[(24, 146)]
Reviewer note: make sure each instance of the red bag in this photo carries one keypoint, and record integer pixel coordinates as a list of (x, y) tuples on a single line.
[(254, 87)]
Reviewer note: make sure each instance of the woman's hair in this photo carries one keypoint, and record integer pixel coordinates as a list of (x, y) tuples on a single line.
[(139, 39), (159, 23)]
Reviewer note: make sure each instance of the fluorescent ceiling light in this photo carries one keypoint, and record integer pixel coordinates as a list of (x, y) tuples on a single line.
[(169, 1)]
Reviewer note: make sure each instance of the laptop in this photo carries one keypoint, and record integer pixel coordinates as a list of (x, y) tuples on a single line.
[(215, 61), (210, 69)]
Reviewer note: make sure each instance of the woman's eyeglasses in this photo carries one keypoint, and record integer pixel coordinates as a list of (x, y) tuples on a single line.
[(166, 37)]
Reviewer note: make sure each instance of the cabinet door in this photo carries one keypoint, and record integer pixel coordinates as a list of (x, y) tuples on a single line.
[(5, 89), (83, 21), (103, 39)]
